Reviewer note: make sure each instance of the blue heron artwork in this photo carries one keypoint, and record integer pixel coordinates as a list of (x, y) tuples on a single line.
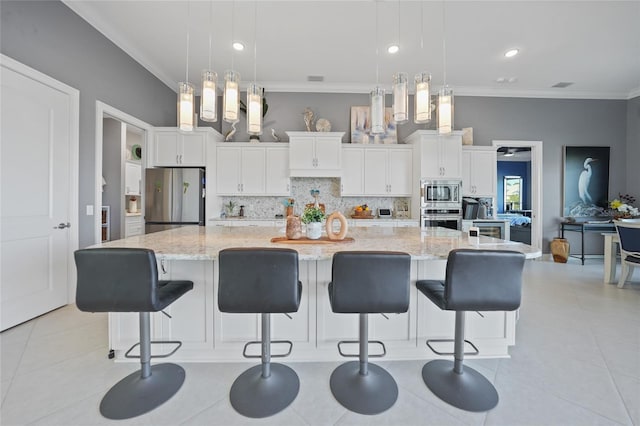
[(586, 181)]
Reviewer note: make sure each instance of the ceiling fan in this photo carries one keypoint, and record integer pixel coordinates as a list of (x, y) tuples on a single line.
[(507, 151)]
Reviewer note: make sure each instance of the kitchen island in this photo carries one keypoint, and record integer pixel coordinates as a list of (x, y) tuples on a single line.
[(210, 335)]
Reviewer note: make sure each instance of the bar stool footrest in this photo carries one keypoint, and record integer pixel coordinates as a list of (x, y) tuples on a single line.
[(345, 355), (475, 349), (156, 342), (259, 342)]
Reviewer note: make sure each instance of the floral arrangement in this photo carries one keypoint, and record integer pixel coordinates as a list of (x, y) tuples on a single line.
[(312, 214), (622, 206)]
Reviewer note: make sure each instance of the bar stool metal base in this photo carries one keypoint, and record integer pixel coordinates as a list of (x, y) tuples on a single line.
[(469, 391), (133, 395), (372, 393), (255, 396)]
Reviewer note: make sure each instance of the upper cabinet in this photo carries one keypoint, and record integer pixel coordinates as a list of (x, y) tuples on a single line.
[(132, 178), (252, 169), (173, 148), (479, 164), (315, 154), (377, 170), (439, 156)]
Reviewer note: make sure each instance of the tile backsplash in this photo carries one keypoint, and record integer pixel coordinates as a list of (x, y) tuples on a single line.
[(268, 207)]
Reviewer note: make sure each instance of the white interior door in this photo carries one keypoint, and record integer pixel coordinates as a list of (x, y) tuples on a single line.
[(38, 158)]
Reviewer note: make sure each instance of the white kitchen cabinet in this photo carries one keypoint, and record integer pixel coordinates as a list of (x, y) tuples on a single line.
[(133, 225), (479, 169), (277, 181), (352, 181), (314, 154), (252, 169), (439, 156), (240, 170), (132, 178), (172, 148), (384, 171)]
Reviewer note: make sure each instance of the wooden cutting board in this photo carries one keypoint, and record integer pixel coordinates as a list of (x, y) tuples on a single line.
[(305, 240)]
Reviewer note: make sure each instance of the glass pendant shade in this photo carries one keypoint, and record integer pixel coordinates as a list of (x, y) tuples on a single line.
[(185, 106), (422, 99), (208, 103), (231, 97), (400, 98), (377, 111), (445, 111), (254, 109)]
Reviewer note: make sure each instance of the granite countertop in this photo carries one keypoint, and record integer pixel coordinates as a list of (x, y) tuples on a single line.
[(204, 242)]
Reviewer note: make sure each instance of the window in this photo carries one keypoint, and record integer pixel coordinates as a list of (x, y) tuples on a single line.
[(512, 193)]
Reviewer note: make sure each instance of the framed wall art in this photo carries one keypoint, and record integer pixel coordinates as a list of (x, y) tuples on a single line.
[(586, 180), (361, 127)]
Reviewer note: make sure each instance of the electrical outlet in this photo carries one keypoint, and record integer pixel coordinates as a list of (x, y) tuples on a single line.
[(90, 210)]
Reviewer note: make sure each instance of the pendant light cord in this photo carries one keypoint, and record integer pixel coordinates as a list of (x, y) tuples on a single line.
[(186, 79), (444, 46), (255, 39), (233, 36), (377, 59), (422, 25), (398, 23), (210, 26)]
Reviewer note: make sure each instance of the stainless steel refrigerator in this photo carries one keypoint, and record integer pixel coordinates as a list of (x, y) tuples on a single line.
[(173, 198)]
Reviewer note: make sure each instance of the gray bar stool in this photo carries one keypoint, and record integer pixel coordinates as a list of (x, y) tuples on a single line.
[(367, 282), (265, 281), (476, 280), (126, 280)]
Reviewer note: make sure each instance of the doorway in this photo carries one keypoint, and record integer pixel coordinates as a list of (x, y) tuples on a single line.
[(121, 151), (535, 147)]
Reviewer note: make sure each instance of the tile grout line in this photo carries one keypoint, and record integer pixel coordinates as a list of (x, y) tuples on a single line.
[(15, 371)]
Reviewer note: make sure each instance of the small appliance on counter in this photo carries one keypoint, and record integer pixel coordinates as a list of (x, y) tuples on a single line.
[(384, 213)]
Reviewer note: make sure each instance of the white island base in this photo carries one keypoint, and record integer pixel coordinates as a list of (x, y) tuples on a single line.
[(208, 335)]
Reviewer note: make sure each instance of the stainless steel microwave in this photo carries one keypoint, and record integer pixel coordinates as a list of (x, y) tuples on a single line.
[(440, 193)]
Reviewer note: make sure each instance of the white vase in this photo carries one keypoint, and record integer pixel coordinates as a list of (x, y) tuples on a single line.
[(314, 230)]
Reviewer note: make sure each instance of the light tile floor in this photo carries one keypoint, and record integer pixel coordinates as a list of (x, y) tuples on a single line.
[(576, 362)]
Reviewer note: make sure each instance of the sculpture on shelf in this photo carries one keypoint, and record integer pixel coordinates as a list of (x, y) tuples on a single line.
[(308, 118), (230, 133), (274, 135)]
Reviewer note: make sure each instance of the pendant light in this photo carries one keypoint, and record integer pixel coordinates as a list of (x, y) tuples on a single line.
[(445, 95), (254, 92), (185, 93), (400, 89), (231, 96), (422, 81), (208, 99), (377, 95)]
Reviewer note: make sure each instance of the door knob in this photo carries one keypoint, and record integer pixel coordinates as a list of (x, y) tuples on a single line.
[(62, 226)]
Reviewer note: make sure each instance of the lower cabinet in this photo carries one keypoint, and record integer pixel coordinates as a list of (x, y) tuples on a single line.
[(210, 335), (133, 225)]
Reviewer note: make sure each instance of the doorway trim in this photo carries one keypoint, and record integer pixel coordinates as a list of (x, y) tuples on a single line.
[(106, 111), (536, 184)]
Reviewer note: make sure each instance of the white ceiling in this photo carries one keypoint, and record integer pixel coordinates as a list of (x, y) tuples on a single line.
[(594, 44)]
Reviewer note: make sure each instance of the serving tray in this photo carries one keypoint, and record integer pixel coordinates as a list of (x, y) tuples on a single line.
[(305, 240)]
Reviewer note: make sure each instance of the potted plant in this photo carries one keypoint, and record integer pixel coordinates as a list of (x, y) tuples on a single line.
[(313, 217)]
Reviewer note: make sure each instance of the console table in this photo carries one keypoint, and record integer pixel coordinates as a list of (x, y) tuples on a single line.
[(582, 227)]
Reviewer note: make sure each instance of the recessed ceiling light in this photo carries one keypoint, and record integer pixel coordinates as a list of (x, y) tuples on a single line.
[(238, 46), (501, 80), (394, 48), (511, 53)]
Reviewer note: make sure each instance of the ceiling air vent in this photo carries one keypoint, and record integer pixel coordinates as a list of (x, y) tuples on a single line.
[(315, 78), (563, 84)]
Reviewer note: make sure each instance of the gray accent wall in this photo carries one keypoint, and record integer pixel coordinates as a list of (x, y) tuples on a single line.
[(633, 148), (49, 37)]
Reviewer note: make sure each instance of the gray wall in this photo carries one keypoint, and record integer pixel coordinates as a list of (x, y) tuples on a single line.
[(633, 147), (52, 39), (49, 37), (112, 195)]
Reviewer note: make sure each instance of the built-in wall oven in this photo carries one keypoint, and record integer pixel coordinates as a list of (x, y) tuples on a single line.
[(441, 203)]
